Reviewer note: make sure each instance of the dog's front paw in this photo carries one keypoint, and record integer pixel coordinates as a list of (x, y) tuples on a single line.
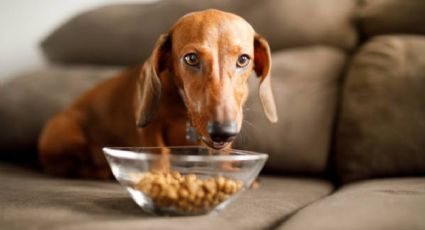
[(93, 172)]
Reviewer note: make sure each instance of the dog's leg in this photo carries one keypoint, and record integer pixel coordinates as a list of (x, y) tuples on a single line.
[(63, 146), (153, 137), (98, 167)]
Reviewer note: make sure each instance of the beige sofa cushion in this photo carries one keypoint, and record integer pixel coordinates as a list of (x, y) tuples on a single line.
[(390, 204), (391, 17), (304, 81), (126, 33), (28, 100), (290, 23), (381, 128), (30, 200), (305, 84)]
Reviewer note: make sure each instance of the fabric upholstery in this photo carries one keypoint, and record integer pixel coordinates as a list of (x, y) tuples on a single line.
[(28, 100), (377, 17), (305, 85), (381, 128), (291, 23), (126, 33), (116, 34), (30, 200), (387, 204)]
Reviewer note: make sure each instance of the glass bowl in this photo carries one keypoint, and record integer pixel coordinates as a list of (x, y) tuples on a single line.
[(184, 180)]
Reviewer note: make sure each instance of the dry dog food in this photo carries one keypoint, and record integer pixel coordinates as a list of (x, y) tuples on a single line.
[(187, 193)]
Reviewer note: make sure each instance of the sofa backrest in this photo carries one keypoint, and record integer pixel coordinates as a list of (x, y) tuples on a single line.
[(380, 130), (375, 128), (305, 83), (27, 101), (381, 125), (125, 34)]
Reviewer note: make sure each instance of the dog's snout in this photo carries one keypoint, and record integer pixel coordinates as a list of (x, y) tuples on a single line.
[(222, 132)]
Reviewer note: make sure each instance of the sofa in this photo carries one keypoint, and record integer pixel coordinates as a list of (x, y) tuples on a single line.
[(348, 151)]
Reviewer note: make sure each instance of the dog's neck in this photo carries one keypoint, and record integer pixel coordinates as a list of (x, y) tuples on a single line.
[(176, 97)]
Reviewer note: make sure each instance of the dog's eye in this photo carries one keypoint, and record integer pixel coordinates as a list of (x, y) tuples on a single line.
[(243, 61), (191, 59)]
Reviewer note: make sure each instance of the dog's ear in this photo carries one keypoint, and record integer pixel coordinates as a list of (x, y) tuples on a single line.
[(262, 66), (149, 85)]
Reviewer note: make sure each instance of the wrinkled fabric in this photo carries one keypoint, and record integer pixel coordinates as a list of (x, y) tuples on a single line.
[(30, 200), (305, 85), (124, 34), (376, 17), (381, 127), (27, 101), (387, 204)]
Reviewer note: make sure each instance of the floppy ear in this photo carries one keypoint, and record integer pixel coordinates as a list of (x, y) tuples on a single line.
[(149, 85), (262, 66)]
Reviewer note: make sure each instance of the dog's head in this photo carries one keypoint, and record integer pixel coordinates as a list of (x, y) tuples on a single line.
[(210, 54)]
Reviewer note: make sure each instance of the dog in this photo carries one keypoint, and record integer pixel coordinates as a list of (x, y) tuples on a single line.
[(196, 77)]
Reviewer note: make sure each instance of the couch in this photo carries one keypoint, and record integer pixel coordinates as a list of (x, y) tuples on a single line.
[(348, 151)]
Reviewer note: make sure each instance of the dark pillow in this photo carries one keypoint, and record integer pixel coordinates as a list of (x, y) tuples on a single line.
[(392, 16), (381, 128), (305, 83), (125, 33), (28, 100)]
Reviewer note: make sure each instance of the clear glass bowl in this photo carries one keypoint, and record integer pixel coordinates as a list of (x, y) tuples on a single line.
[(184, 180)]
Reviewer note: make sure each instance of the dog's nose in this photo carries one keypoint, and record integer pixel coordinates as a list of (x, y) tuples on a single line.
[(222, 132)]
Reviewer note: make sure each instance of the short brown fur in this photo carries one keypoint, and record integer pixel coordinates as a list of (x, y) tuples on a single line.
[(150, 105)]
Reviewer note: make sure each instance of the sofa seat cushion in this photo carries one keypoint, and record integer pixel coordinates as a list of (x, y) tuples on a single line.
[(395, 203), (31, 200)]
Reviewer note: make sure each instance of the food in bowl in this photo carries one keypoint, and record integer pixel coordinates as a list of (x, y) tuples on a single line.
[(197, 180), (187, 193)]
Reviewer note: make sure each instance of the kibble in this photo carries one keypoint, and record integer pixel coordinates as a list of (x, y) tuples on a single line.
[(187, 193)]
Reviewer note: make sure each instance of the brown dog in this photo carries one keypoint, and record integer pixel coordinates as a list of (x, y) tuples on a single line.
[(197, 74)]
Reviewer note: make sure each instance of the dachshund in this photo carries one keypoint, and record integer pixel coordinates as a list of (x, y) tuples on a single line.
[(196, 77)]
